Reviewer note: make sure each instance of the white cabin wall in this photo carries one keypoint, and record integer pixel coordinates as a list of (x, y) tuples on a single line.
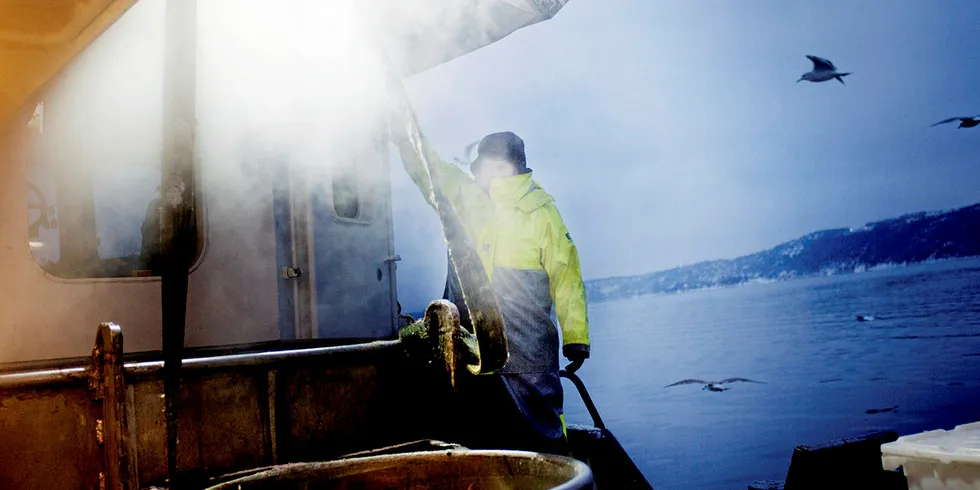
[(266, 86), (46, 317), (232, 296), (232, 289), (43, 317), (300, 84)]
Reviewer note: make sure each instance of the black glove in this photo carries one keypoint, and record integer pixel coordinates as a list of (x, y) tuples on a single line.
[(577, 354)]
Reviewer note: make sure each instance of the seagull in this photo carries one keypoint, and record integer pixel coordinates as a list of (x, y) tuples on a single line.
[(823, 70), (467, 154), (713, 385), (965, 122)]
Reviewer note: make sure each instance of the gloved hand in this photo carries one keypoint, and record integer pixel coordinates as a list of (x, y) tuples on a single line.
[(577, 354)]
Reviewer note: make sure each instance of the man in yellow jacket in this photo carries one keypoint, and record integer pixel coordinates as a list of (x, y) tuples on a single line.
[(533, 265)]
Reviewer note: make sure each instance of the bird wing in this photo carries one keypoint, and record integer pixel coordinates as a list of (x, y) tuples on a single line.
[(468, 151), (735, 380), (467, 154), (687, 382), (944, 121), (821, 64)]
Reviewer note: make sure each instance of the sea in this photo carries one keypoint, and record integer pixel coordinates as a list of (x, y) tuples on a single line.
[(820, 369)]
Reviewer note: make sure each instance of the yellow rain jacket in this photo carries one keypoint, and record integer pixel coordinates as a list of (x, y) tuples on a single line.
[(528, 253)]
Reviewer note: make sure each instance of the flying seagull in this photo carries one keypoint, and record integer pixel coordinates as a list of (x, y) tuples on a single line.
[(965, 122), (467, 154), (823, 70), (713, 385)]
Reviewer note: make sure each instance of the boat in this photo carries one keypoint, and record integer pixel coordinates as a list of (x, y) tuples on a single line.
[(199, 287)]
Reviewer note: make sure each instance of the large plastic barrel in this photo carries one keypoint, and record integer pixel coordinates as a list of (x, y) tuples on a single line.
[(453, 469)]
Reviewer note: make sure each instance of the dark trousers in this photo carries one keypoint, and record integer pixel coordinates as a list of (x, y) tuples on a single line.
[(506, 411), (512, 411)]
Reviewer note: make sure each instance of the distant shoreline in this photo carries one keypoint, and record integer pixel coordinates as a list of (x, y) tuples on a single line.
[(910, 239), (759, 282)]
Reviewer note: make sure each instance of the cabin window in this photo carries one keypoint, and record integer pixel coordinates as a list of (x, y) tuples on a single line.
[(94, 151), (354, 188), (346, 200), (106, 225)]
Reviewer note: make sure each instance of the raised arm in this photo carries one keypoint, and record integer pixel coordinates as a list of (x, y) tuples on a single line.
[(452, 180)]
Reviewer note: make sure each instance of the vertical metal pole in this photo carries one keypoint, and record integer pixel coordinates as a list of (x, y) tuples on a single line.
[(178, 225)]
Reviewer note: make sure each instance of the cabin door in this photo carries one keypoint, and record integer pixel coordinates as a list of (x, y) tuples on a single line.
[(346, 216)]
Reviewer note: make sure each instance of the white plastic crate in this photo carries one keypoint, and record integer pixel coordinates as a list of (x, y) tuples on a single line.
[(937, 459)]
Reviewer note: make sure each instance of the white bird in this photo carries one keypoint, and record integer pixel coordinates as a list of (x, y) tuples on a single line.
[(713, 385), (823, 70), (467, 154), (965, 122)]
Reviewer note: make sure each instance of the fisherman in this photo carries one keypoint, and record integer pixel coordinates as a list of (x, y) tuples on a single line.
[(533, 266)]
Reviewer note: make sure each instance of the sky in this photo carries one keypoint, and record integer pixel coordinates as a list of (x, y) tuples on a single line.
[(673, 132)]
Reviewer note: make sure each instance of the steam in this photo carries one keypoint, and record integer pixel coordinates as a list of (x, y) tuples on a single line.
[(286, 91)]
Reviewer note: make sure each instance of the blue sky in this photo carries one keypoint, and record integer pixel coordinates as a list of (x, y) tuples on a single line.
[(673, 132)]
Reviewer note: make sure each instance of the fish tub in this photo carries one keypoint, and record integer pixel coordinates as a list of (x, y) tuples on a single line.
[(937, 459), (453, 469)]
